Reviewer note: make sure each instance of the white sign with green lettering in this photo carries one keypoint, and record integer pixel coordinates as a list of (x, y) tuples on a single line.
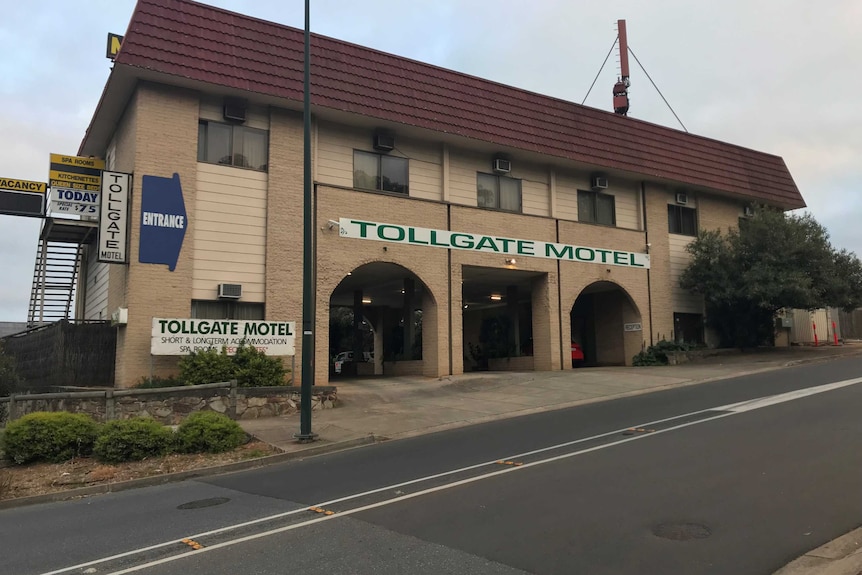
[(360, 229), (183, 336)]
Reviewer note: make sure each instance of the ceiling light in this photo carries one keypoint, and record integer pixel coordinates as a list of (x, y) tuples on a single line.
[(511, 261), (366, 300), (466, 306), (496, 297)]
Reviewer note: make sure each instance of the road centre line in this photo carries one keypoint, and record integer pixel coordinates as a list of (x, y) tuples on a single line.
[(721, 412)]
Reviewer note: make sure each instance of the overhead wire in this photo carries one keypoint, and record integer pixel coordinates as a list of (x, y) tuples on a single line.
[(657, 90), (600, 70)]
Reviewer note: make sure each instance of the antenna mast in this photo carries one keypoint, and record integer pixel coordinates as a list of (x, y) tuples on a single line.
[(621, 88)]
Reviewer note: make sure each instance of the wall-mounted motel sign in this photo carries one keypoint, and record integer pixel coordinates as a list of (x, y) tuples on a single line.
[(361, 229), (182, 336), (114, 218)]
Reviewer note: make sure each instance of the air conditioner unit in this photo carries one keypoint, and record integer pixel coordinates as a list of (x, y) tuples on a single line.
[(599, 182), (502, 166), (230, 291), (748, 211), (384, 142), (234, 111), (681, 198)]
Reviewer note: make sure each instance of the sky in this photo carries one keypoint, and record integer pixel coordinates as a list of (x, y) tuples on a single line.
[(778, 76)]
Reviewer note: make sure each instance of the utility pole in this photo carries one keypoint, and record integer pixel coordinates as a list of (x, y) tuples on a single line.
[(305, 435)]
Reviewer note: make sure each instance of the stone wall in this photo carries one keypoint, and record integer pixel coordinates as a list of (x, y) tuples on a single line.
[(170, 405)]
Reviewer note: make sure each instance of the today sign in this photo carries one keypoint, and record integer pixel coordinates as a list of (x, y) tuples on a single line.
[(361, 229)]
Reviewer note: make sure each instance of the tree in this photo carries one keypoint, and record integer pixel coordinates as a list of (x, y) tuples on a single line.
[(773, 261)]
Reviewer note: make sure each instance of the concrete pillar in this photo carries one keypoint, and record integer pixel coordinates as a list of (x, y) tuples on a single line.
[(512, 312)]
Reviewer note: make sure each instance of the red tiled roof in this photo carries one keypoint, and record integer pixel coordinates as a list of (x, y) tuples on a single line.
[(211, 45)]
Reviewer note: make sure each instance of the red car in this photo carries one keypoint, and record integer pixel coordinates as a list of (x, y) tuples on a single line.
[(577, 355)]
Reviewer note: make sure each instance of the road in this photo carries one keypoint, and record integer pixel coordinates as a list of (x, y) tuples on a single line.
[(688, 481)]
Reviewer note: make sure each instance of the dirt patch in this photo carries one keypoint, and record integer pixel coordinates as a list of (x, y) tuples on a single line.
[(40, 478)]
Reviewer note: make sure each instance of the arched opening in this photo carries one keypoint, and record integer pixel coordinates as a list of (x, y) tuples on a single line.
[(376, 316), (605, 325)]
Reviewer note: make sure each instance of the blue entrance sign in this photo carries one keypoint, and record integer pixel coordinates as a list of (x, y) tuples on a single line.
[(163, 221)]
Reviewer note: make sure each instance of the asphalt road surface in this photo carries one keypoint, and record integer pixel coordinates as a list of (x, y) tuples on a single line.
[(689, 481)]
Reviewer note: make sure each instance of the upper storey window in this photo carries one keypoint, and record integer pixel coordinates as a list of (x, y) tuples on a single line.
[(232, 145), (380, 172), (596, 208), (681, 220), (498, 192)]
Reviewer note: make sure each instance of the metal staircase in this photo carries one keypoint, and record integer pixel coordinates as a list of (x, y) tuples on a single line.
[(55, 275)]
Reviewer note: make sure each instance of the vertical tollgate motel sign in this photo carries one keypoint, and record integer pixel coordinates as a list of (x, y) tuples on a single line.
[(114, 217)]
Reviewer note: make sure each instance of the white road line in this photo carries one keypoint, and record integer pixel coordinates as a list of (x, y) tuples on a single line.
[(725, 411)]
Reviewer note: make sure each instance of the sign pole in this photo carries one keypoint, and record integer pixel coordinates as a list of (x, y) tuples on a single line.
[(305, 435)]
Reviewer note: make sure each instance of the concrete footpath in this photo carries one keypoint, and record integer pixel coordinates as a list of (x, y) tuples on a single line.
[(377, 409)]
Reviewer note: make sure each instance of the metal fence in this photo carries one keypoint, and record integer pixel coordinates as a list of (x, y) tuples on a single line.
[(65, 353), (851, 324)]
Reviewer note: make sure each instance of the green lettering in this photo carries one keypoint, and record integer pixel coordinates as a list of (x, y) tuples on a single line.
[(489, 241), (411, 237), (234, 329), (399, 233), (591, 257), (524, 245), (174, 326), (565, 253), (162, 324), (633, 262), (619, 258), (362, 227), (468, 243), (604, 255), (434, 240), (506, 243)]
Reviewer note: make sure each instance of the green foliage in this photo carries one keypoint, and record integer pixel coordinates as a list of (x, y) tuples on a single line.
[(54, 437), (158, 381), (206, 366), (248, 366), (132, 440), (773, 261), (657, 354), (9, 378), (254, 368), (209, 431)]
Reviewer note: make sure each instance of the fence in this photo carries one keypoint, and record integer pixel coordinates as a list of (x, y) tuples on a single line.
[(65, 353), (170, 405), (851, 324)]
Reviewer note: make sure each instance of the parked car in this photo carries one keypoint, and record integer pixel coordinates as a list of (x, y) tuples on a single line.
[(347, 357), (577, 355)]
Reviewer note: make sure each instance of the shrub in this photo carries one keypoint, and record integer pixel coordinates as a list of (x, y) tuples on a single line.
[(209, 431), (248, 366), (132, 440), (254, 368), (157, 381), (53, 437), (657, 354), (207, 366)]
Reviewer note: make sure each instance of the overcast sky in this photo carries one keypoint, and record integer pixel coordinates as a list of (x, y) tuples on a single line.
[(780, 76)]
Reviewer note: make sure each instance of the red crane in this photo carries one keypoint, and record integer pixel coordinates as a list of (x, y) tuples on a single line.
[(621, 88)]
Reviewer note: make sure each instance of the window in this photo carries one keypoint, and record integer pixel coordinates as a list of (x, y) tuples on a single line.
[(225, 309), (232, 145), (681, 220), (596, 208), (380, 172), (499, 192)]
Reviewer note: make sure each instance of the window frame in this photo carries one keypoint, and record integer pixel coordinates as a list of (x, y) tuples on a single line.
[(593, 218), (379, 176), (236, 141), (496, 191), (231, 308), (675, 220)]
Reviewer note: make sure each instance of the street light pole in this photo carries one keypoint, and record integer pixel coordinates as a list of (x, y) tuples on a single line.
[(308, 319)]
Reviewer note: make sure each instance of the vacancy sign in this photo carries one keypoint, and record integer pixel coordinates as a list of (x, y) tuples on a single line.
[(114, 220), (22, 197)]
